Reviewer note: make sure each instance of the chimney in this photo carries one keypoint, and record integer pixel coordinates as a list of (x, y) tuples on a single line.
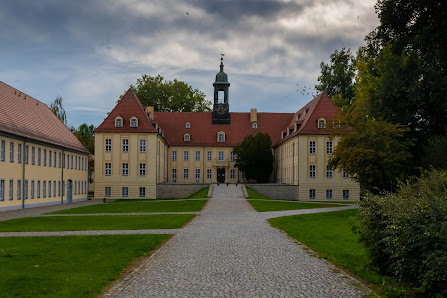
[(150, 112), (253, 115)]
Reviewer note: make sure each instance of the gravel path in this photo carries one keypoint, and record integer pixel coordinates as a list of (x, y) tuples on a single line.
[(230, 250)]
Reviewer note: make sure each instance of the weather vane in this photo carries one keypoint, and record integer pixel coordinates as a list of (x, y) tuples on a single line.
[(222, 54)]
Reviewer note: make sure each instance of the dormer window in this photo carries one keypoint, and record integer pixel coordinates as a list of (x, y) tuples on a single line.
[(188, 125), (321, 123), (186, 137), (221, 137), (134, 122), (254, 125), (118, 122)]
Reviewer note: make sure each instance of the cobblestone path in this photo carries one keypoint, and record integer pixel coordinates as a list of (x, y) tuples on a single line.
[(231, 251)]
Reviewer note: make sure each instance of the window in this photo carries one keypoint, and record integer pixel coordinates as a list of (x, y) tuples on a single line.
[(44, 189), (25, 190), (2, 188), (254, 125), (3, 154), (19, 189), (142, 191), (107, 191), (49, 158), (49, 188), (142, 145), (221, 155), (75, 187), (54, 163), (328, 194), (11, 189), (329, 147), (321, 123), (19, 153), (54, 188), (345, 174), (197, 173), (39, 151), (125, 170), (76, 163), (208, 174), (63, 187), (59, 188), (38, 189), (72, 162), (328, 172), (221, 137), (32, 189), (174, 173), (345, 194), (108, 169), (118, 122), (232, 173), (60, 159), (232, 156), (188, 125), (185, 173), (185, 155), (197, 155), (186, 138), (124, 191), (208, 155), (11, 152), (312, 194), (134, 122), (108, 145), (312, 171), (125, 145), (142, 169), (26, 154), (33, 155), (243, 175), (174, 155), (312, 147)]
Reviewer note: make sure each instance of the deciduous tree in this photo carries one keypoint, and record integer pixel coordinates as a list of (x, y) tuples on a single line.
[(59, 110)]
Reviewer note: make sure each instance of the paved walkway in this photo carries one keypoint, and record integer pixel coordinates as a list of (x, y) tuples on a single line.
[(230, 250)]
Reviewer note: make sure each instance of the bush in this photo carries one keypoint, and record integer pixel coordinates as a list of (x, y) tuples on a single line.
[(406, 233)]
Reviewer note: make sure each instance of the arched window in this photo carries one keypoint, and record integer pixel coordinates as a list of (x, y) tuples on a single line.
[(188, 125), (321, 123), (221, 137), (186, 137), (118, 122), (134, 122), (254, 125)]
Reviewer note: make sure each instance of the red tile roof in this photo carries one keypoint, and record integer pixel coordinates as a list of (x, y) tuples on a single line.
[(128, 107), (203, 133), (25, 116)]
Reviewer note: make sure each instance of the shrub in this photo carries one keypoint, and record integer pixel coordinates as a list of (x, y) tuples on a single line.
[(406, 233)]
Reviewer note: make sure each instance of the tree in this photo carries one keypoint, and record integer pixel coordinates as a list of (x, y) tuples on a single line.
[(254, 157), (169, 96), (59, 110), (337, 78), (86, 136)]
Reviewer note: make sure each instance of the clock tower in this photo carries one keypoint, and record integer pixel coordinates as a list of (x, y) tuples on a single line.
[(221, 113)]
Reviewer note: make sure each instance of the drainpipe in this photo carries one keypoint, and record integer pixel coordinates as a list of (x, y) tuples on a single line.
[(62, 182), (293, 163), (23, 175), (203, 164)]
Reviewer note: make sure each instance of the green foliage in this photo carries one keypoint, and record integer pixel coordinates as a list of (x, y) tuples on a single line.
[(169, 96), (85, 134), (58, 110), (435, 153), (406, 233), (68, 266), (254, 157), (337, 78), (374, 154)]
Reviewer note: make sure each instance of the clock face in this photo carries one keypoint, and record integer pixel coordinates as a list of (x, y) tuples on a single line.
[(221, 110)]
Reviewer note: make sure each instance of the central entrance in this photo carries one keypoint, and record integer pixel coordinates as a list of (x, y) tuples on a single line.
[(221, 175)]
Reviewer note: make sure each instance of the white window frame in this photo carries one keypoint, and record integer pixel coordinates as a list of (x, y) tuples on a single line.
[(174, 155), (124, 191), (209, 155), (32, 189), (125, 169), (19, 189), (185, 155), (142, 169), (345, 194), (3, 153), (125, 145), (2, 188), (108, 191), (11, 189), (312, 171), (197, 155), (221, 137), (142, 145), (329, 194), (321, 123), (187, 125), (134, 122), (232, 174), (187, 138), (108, 145), (197, 173), (312, 147), (232, 156), (185, 173), (174, 173), (38, 189), (142, 192), (312, 194), (345, 174), (11, 152), (108, 169), (208, 173), (19, 153), (221, 156), (118, 122), (329, 172), (329, 147)]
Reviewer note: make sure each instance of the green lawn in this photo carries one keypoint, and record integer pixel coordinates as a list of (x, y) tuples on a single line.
[(96, 222), (262, 203), (69, 266), (135, 206), (330, 235)]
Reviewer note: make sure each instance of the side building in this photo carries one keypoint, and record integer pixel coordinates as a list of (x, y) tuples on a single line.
[(138, 148), (41, 161)]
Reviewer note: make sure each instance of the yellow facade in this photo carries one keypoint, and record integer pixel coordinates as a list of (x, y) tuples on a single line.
[(202, 164), (127, 163), (36, 174), (303, 161)]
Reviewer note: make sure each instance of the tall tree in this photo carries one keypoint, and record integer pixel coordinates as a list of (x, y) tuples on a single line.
[(337, 78), (254, 157), (169, 96), (59, 110), (86, 136)]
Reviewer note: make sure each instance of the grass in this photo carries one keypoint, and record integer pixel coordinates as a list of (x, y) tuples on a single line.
[(262, 203), (69, 266), (330, 235), (100, 222)]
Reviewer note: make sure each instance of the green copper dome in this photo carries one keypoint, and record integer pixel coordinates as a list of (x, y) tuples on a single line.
[(221, 76)]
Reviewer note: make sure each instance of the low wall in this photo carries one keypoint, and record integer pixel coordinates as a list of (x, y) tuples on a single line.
[(177, 191), (276, 191)]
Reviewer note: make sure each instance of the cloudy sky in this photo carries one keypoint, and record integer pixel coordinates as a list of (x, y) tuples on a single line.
[(89, 52)]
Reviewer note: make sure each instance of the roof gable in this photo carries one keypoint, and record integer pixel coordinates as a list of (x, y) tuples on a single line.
[(25, 116), (128, 107)]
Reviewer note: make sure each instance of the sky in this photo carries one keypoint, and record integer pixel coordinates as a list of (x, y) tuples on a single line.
[(90, 52)]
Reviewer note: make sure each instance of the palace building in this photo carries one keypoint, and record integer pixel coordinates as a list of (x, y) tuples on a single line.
[(41, 161), (138, 149)]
